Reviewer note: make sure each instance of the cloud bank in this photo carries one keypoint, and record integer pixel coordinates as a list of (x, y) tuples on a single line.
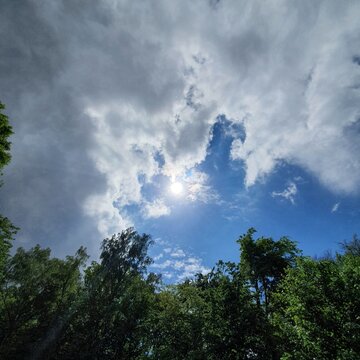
[(99, 90)]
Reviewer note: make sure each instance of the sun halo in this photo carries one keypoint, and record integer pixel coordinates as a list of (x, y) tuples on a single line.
[(176, 188)]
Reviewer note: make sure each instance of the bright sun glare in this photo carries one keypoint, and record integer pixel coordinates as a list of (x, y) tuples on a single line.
[(176, 188)]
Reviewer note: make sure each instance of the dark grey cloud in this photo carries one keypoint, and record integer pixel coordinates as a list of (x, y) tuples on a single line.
[(51, 173), (31, 53)]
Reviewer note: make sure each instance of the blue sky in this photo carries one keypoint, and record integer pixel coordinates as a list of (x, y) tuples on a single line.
[(314, 217), (251, 106)]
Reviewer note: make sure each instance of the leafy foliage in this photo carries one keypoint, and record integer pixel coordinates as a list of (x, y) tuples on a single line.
[(7, 229), (301, 309), (263, 263), (7, 234), (318, 309), (5, 132), (115, 301), (36, 297)]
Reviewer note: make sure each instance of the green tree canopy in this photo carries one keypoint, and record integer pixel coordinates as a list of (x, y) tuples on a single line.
[(37, 295), (5, 132), (117, 296), (318, 307), (7, 229), (263, 262)]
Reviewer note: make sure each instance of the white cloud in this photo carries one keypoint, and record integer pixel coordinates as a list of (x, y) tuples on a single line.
[(289, 193), (178, 253), (198, 188), (181, 269), (155, 209), (179, 265), (190, 268), (164, 265), (301, 108), (158, 257), (335, 208), (108, 218)]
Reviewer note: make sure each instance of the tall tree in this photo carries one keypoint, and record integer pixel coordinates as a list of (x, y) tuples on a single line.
[(5, 132), (235, 327), (110, 318), (37, 296), (7, 229), (263, 263)]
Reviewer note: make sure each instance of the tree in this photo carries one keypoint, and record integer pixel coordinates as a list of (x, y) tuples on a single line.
[(234, 325), (37, 296), (351, 247), (110, 317), (175, 325), (318, 307), (211, 317), (263, 263), (7, 229), (7, 233), (5, 132)]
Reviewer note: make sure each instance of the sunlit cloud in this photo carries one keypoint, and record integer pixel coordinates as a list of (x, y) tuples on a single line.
[(155, 209), (199, 189)]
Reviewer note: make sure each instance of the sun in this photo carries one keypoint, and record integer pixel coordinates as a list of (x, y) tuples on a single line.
[(176, 188)]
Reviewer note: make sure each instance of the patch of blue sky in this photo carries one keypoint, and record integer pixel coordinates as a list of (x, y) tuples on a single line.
[(210, 230), (309, 220)]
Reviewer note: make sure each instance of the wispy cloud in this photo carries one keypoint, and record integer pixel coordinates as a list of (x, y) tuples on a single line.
[(335, 208), (181, 269), (288, 194), (178, 253), (242, 206), (158, 257), (198, 188), (176, 264)]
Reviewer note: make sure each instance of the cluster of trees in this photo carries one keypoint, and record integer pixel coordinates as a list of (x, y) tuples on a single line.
[(273, 303)]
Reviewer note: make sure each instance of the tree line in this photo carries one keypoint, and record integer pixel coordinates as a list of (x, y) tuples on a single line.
[(273, 303)]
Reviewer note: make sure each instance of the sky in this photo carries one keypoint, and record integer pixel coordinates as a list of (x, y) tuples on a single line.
[(189, 120)]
